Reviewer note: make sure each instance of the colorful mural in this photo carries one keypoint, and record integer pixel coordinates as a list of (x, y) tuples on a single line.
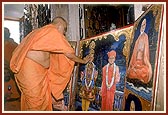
[(118, 40)]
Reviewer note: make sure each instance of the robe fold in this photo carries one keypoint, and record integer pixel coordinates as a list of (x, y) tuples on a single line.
[(36, 82)]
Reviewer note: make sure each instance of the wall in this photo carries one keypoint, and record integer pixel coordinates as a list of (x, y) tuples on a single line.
[(71, 14), (13, 10)]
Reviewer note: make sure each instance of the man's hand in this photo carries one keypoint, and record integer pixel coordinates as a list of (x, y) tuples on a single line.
[(87, 59), (75, 58)]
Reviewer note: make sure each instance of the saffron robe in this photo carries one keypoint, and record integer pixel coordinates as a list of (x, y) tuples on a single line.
[(108, 94), (37, 83), (140, 67)]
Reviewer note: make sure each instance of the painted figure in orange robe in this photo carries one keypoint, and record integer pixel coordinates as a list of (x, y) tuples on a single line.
[(110, 78), (11, 92), (43, 63), (140, 67)]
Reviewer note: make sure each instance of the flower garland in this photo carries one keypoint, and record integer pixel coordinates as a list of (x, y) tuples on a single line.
[(112, 81), (87, 86)]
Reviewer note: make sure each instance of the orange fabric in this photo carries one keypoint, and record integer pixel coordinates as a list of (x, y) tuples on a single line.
[(46, 38), (61, 69), (9, 46), (140, 68), (13, 97), (111, 53), (140, 71), (108, 95), (35, 82)]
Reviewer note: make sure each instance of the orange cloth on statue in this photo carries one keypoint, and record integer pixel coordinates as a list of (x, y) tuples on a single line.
[(13, 101), (11, 91), (108, 95), (9, 46), (139, 71), (111, 53), (140, 68), (36, 82)]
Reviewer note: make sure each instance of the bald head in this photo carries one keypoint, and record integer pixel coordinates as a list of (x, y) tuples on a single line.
[(58, 19), (60, 24)]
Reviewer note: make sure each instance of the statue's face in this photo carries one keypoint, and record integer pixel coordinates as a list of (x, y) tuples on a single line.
[(90, 66), (111, 59), (6, 33), (143, 25), (132, 106), (6, 75)]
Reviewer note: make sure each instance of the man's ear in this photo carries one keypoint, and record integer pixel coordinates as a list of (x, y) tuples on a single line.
[(59, 27)]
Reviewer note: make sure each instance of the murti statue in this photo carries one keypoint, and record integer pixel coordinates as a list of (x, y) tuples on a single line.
[(88, 79)]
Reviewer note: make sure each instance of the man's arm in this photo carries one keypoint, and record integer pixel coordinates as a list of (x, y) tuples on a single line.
[(75, 58)]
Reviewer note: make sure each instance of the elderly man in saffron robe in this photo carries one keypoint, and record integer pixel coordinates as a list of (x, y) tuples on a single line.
[(140, 67), (43, 63), (110, 78)]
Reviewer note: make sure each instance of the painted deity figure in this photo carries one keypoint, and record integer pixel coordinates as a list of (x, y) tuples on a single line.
[(132, 106), (88, 79), (140, 67), (110, 78)]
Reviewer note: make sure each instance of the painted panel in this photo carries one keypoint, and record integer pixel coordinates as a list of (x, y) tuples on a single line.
[(88, 96), (143, 60)]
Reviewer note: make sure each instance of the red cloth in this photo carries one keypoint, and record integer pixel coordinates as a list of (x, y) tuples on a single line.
[(111, 53), (140, 71), (108, 95), (140, 68)]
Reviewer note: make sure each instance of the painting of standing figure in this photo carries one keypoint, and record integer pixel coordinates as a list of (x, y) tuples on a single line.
[(88, 78), (93, 93), (110, 77)]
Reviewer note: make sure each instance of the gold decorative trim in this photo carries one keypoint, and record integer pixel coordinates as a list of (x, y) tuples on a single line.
[(116, 34), (157, 9)]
